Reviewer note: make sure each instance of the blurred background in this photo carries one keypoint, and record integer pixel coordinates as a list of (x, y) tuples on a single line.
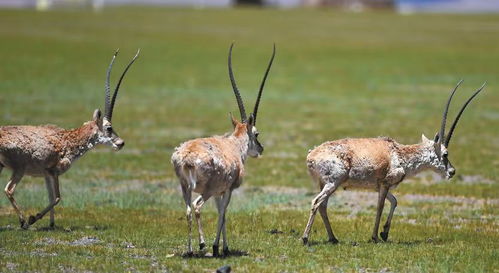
[(404, 6), (362, 68)]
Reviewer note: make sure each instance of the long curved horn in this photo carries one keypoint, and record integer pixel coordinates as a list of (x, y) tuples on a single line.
[(240, 103), (108, 88), (451, 131), (441, 133), (109, 115), (255, 110)]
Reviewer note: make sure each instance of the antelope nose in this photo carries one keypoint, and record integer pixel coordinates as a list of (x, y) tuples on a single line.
[(120, 143), (452, 172)]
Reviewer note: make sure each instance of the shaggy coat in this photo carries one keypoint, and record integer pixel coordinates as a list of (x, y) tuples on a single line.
[(368, 162), (212, 166), (38, 150)]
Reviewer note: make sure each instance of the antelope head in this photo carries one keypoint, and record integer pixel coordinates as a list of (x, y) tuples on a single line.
[(106, 133), (439, 146), (255, 148)]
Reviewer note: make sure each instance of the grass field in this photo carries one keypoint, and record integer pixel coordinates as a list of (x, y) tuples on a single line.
[(335, 75)]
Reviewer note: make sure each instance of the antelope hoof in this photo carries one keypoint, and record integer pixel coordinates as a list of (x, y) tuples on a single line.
[(189, 254), (375, 240), (215, 251), (225, 251), (384, 236), (305, 241), (224, 269), (52, 225), (333, 241), (32, 219), (23, 223), (202, 246)]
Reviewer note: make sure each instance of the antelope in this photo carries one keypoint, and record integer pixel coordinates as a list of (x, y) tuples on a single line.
[(49, 151), (214, 166), (378, 164)]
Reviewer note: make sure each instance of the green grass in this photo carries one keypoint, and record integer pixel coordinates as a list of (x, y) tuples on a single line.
[(335, 75)]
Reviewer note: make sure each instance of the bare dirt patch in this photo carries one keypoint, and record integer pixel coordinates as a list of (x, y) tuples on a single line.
[(49, 241), (431, 178), (85, 241), (469, 201), (474, 179), (355, 202)]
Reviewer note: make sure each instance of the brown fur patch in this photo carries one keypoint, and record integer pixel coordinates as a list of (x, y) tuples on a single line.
[(69, 140), (360, 159), (406, 150), (241, 128), (215, 163), (36, 149)]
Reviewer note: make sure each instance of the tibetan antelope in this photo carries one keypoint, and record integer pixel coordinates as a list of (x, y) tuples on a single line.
[(49, 151), (214, 166), (376, 163)]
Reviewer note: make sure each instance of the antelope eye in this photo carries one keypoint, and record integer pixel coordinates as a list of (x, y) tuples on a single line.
[(256, 134), (445, 154)]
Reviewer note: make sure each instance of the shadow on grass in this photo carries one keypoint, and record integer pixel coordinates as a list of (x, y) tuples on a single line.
[(208, 255), (53, 229), (316, 243), (71, 228), (428, 241), (7, 228)]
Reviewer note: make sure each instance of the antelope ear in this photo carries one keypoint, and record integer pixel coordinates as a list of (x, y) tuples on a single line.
[(424, 138), (436, 138), (233, 120), (438, 148), (251, 120), (97, 115)]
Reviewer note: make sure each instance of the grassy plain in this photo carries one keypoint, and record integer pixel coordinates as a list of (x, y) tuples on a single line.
[(336, 75)]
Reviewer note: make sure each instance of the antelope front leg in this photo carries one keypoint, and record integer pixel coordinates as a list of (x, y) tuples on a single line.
[(54, 181), (221, 223), (325, 219), (328, 189), (386, 227), (9, 191), (219, 203), (383, 190), (197, 204)]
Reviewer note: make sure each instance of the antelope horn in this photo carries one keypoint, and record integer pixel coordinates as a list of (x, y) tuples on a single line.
[(257, 103), (441, 133), (109, 115), (108, 88), (451, 131), (240, 103)]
